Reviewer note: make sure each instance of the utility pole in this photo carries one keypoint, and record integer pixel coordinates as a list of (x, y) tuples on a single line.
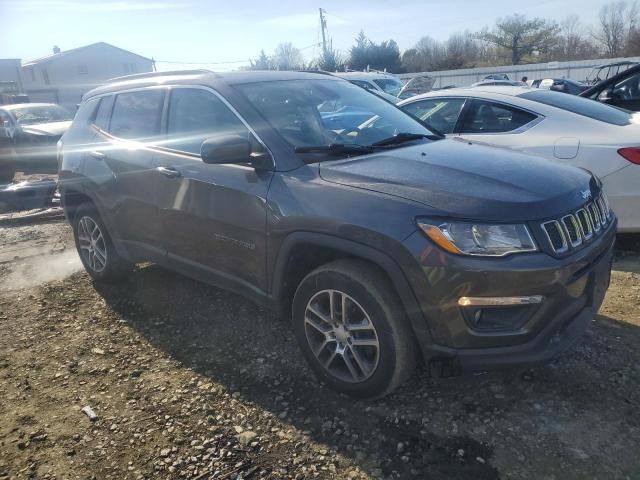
[(323, 27)]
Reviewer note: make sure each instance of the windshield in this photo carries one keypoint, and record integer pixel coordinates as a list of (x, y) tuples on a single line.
[(581, 106), (391, 86), (322, 112), (41, 114)]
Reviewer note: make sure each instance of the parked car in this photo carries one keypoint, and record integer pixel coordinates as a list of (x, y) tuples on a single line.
[(499, 83), (497, 76), (622, 90), (563, 85), (379, 244), (29, 133), (606, 71), (564, 128)]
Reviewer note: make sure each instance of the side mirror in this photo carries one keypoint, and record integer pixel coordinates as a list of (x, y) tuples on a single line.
[(232, 149), (605, 95)]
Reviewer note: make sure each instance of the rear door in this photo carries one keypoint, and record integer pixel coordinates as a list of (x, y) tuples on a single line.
[(128, 195), (213, 216)]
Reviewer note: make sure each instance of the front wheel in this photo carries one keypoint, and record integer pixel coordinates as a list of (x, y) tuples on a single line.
[(353, 330), (94, 245)]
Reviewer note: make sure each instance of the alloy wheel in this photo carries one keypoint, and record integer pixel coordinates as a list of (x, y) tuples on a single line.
[(93, 247), (341, 336)]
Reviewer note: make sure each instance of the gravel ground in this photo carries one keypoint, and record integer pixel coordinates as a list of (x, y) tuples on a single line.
[(188, 381)]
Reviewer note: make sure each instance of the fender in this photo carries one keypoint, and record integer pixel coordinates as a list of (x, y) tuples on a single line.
[(382, 260)]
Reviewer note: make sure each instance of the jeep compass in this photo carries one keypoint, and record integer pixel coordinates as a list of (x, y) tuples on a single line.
[(384, 243)]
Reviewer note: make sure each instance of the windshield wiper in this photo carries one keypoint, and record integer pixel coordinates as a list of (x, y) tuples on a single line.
[(403, 137), (336, 148)]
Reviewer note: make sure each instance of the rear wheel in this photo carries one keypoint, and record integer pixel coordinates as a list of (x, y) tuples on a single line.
[(353, 330), (94, 245)]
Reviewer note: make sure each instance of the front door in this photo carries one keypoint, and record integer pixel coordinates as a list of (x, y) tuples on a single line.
[(213, 216)]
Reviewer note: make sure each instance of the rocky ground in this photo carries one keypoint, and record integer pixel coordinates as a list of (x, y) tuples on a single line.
[(188, 381)]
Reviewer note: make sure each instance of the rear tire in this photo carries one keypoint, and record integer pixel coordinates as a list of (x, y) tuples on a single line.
[(363, 346), (95, 247)]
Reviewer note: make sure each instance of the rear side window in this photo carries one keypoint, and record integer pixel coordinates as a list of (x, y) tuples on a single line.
[(195, 115), (581, 106), (136, 115), (104, 112), (490, 117)]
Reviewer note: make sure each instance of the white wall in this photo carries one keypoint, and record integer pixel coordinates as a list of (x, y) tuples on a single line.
[(70, 76), (576, 70)]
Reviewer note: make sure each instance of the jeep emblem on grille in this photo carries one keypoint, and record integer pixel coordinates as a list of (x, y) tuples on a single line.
[(586, 194)]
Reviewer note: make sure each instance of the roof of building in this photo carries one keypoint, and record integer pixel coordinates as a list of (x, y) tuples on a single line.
[(55, 56)]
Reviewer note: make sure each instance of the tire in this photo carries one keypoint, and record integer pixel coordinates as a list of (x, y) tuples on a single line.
[(97, 253), (366, 353), (7, 164)]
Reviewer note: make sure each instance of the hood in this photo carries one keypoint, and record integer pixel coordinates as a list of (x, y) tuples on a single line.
[(466, 181), (53, 128)]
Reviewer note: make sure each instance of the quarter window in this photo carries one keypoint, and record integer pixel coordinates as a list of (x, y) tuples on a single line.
[(103, 113), (196, 115), (489, 117), (136, 115), (439, 113)]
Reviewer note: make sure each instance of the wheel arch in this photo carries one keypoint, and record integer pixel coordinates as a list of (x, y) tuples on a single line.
[(302, 252)]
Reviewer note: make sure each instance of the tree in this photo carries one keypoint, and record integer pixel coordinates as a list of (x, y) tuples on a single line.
[(616, 26), (287, 57), (261, 63), (330, 60), (379, 56), (522, 37), (572, 42)]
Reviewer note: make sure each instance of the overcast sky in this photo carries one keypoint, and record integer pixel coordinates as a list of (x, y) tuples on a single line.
[(233, 31)]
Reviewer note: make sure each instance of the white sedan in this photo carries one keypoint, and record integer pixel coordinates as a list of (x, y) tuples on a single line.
[(557, 126)]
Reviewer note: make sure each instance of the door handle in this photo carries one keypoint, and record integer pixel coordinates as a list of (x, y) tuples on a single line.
[(98, 155), (170, 172)]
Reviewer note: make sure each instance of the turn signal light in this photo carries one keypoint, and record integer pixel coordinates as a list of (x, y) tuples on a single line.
[(631, 154)]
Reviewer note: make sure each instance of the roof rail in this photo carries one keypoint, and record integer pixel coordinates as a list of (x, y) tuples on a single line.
[(137, 76)]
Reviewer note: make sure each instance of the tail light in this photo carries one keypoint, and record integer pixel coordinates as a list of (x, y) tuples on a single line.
[(631, 154)]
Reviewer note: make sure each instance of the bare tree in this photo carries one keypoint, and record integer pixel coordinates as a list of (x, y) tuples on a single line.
[(287, 57), (616, 24), (573, 43), (522, 37)]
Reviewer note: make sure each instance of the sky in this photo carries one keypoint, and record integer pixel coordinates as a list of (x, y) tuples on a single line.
[(223, 35)]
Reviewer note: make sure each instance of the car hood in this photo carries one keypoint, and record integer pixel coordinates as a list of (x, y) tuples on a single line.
[(53, 128), (462, 180)]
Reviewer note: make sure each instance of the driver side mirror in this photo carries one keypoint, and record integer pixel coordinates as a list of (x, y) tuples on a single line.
[(606, 95), (232, 149)]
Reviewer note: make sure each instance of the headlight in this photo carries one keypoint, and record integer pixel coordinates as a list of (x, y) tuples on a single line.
[(483, 239)]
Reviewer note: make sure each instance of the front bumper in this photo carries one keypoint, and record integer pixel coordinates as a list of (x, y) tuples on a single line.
[(572, 288)]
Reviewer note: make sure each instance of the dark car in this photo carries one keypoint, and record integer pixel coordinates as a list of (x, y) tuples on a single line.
[(622, 90), (383, 245), (563, 85), (29, 133)]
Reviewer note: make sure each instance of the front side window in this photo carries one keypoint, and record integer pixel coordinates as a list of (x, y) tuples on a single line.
[(136, 115), (298, 110), (439, 113), (626, 90), (196, 115), (490, 117)]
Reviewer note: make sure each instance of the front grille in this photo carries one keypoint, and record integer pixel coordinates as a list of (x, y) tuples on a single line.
[(578, 227)]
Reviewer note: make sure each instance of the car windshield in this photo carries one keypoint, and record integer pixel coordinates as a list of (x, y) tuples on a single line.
[(324, 112), (581, 106), (391, 86), (41, 114)]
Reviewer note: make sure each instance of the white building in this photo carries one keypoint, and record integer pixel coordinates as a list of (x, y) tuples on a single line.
[(65, 76)]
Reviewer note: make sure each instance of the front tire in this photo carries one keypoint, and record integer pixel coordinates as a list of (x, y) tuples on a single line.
[(353, 330), (94, 245)]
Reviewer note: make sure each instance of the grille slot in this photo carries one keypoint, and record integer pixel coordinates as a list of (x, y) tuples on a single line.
[(555, 234), (579, 227)]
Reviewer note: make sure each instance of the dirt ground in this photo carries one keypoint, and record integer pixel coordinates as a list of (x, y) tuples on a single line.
[(188, 381)]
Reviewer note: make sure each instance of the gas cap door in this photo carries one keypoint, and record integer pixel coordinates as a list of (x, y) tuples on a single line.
[(566, 147)]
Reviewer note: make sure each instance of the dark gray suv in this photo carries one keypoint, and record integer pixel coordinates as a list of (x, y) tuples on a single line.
[(383, 242)]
